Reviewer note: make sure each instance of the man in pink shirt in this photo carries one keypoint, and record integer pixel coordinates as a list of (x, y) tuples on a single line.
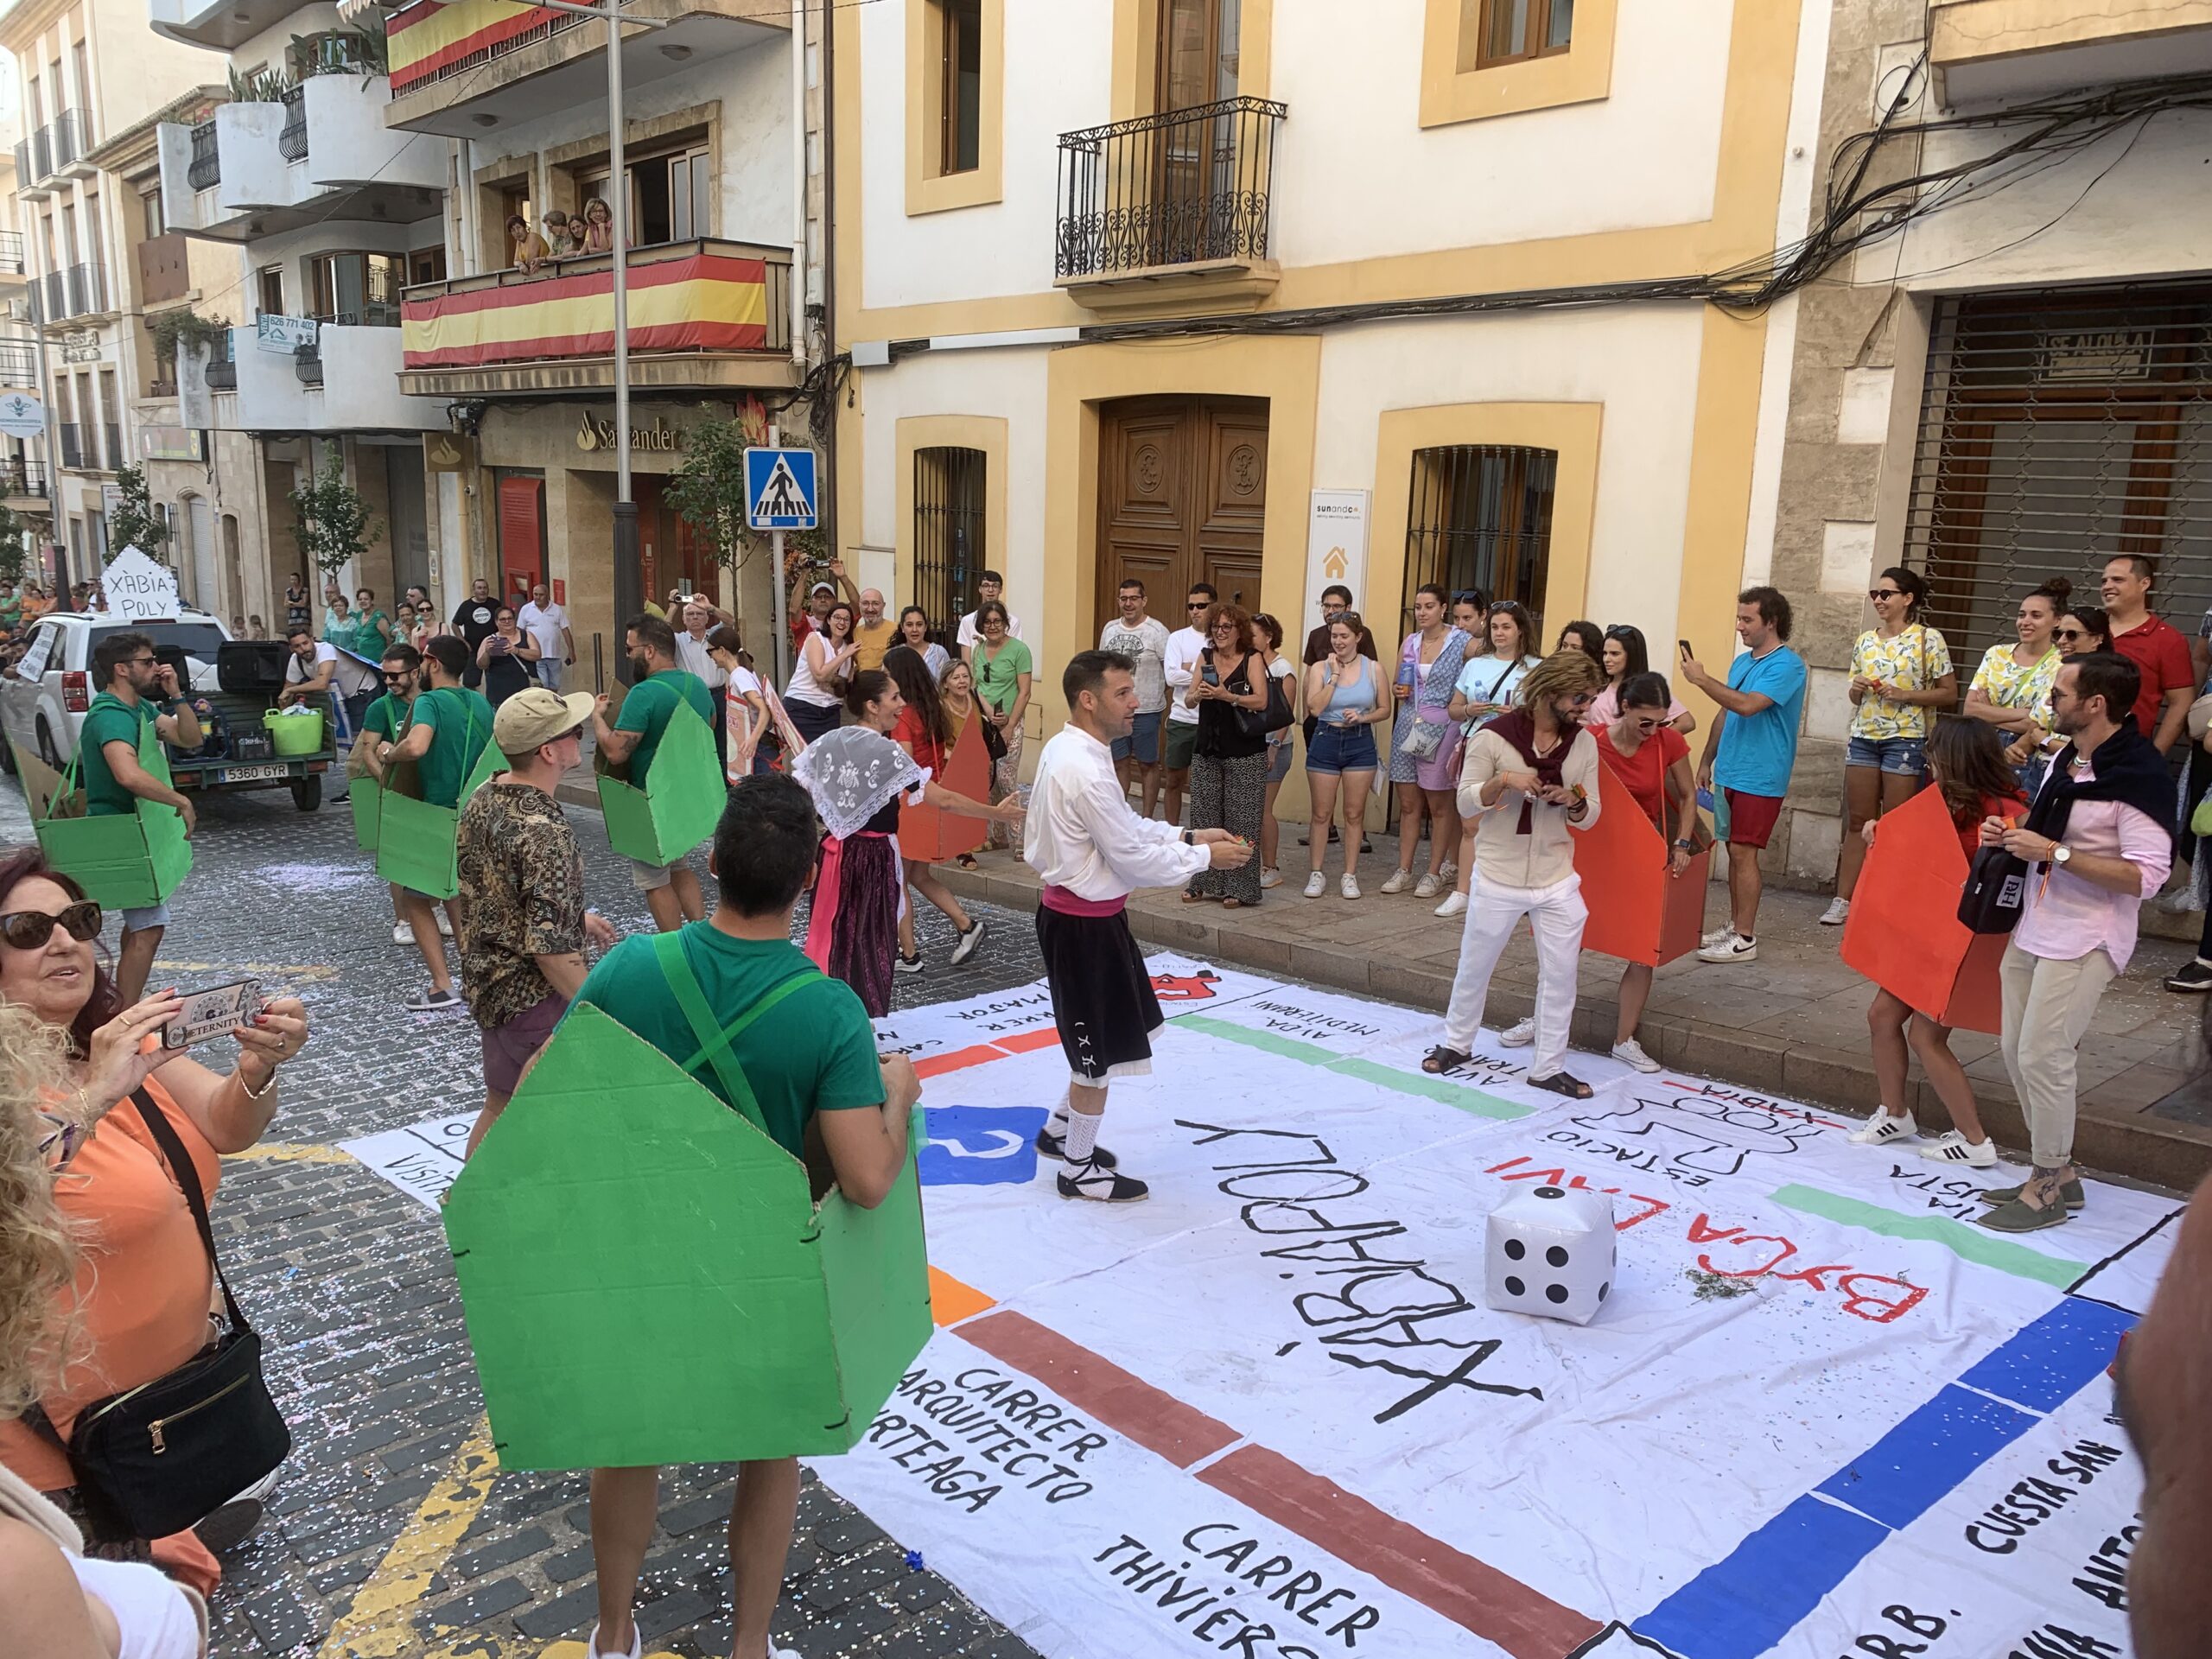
[(2097, 844)]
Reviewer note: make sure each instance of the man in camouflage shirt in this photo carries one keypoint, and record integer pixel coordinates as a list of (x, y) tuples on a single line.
[(524, 925)]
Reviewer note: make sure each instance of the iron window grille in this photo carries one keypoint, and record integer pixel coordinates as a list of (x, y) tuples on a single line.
[(948, 545), (1480, 518)]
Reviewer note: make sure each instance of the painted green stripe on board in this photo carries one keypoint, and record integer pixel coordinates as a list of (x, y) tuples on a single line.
[(1442, 1090), (1962, 1238)]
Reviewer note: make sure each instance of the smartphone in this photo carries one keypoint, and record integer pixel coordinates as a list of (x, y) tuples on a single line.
[(1685, 645), (212, 1013)]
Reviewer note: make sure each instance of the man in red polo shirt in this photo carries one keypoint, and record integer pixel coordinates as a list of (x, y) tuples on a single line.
[(2159, 652)]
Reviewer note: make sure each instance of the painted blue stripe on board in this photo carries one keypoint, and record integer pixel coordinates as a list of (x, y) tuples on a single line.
[(2051, 1361), (1902, 1475), (1741, 1606)]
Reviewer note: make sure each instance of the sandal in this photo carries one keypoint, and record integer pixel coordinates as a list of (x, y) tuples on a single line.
[(1442, 1059), (1189, 898), (1560, 1083), (1232, 903), (966, 862)]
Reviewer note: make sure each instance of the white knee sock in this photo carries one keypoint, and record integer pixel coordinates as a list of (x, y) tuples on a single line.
[(1083, 1135)]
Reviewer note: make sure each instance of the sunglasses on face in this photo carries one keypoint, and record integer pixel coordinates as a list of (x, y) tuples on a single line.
[(2068, 633), (1648, 727), (1880, 594), (1198, 605), (30, 930)]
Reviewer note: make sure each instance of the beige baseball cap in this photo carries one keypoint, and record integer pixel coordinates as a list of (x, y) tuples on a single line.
[(535, 716)]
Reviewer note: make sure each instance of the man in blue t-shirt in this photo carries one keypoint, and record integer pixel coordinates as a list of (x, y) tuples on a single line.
[(1750, 753), (813, 1069)]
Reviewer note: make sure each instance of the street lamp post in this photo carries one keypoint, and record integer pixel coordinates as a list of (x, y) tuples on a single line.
[(629, 577)]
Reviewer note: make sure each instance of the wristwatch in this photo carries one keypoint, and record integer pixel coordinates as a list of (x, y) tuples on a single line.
[(1187, 841), (2060, 853), (1686, 846)]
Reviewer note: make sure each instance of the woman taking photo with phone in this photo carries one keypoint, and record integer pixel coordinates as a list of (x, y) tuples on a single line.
[(1424, 744), (507, 658), (1900, 670), (1345, 698), (144, 1283)]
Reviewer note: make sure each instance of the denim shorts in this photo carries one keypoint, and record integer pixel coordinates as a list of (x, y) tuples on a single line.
[(1142, 744), (1904, 757), (1278, 761), (1342, 748)]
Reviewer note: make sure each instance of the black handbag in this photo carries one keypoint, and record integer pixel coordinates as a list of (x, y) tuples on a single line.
[(1996, 890), (1259, 723), (154, 1460)]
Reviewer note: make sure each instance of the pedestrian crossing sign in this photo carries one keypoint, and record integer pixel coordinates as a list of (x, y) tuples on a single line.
[(780, 489)]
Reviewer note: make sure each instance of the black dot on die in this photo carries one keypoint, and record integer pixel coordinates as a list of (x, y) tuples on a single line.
[(1602, 1288), (1515, 1249), (1556, 1255), (1555, 1293), (1515, 1287), (1551, 1192)]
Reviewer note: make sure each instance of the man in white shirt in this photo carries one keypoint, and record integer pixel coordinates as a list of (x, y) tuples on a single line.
[(696, 621), (315, 667), (989, 586), (1143, 640), (1178, 663), (548, 624), (1091, 851)]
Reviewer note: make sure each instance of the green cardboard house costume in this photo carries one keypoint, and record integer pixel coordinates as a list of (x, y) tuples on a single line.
[(681, 803), (124, 860), (414, 839), (647, 1279)]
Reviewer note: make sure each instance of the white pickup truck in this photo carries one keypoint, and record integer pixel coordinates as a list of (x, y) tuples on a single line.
[(42, 703)]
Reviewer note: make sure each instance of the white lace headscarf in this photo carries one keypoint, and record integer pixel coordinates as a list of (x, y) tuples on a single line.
[(853, 773)]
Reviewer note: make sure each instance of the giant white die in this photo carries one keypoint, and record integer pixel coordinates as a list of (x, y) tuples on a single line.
[(1551, 1252)]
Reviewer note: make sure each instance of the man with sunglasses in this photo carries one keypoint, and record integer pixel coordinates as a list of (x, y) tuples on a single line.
[(450, 728), (1178, 663), (131, 678), (385, 723)]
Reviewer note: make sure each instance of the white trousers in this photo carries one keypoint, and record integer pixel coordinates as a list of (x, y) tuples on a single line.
[(2047, 1010), (1557, 914)]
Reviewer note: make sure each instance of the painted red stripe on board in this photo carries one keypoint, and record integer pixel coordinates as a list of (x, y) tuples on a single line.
[(958, 1060), (1469, 1593), (1029, 1041), (1127, 1404)]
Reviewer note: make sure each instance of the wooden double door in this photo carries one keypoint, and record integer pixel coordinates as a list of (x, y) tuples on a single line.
[(1182, 498)]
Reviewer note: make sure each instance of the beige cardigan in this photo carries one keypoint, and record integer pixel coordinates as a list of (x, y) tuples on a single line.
[(1545, 853)]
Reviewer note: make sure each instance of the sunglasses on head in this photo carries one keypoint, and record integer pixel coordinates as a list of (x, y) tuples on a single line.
[(30, 930)]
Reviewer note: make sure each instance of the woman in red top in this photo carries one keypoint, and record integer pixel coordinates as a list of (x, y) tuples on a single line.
[(1647, 757), (925, 731), (1965, 760)]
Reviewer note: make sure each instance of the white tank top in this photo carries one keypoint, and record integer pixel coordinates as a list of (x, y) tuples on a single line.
[(804, 686), (156, 1618)]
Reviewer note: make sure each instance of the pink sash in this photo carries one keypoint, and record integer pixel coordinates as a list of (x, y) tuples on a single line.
[(1068, 904)]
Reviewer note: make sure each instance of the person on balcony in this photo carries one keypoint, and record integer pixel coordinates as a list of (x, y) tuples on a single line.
[(599, 226), (556, 238), (527, 245)]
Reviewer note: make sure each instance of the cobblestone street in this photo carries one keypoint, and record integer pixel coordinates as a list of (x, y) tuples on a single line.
[(383, 1539)]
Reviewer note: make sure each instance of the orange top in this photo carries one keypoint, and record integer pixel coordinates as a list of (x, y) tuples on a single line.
[(144, 1285)]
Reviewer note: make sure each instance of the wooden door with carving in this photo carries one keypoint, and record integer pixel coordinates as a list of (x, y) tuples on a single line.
[(1182, 497)]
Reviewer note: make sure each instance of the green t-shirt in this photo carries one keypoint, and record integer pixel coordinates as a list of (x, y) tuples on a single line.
[(12, 611), (371, 634), (816, 1053), (457, 742), (387, 717), (645, 710), (998, 679), (110, 720)]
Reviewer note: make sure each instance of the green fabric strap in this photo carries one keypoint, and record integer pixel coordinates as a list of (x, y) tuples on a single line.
[(716, 1039)]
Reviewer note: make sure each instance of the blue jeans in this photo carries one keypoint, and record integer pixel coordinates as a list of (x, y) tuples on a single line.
[(1904, 757)]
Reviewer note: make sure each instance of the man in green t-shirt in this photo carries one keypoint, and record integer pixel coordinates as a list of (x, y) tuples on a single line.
[(11, 607), (449, 728), (386, 721), (813, 1068), (131, 679), (672, 890)]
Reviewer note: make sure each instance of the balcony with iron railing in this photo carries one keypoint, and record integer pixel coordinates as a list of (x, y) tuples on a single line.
[(72, 438), (222, 371), (18, 364), (13, 266), (64, 295), (23, 482), (703, 315), (1990, 51), (207, 169), (439, 51), (111, 456), (1171, 211), (72, 143)]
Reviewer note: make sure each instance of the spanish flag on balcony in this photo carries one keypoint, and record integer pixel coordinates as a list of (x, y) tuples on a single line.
[(702, 302), (432, 35)]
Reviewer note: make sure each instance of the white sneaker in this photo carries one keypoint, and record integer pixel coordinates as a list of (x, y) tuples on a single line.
[(1270, 878), (402, 934), (1399, 882), (1450, 873), (972, 937), (1733, 947), (1887, 1125), (1837, 913), (1317, 884), (1427, 887), (445, 923), (1454, 904), (1519, 1036), (1719, 936), (1630, 1052), (1349, 886), (1951, 1147)]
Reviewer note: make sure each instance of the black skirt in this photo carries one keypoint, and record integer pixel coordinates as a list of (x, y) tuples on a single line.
[(1102, 994)]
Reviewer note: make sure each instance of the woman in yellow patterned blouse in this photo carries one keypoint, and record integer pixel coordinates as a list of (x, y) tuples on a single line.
[(1900, 670), (2012, 688)]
